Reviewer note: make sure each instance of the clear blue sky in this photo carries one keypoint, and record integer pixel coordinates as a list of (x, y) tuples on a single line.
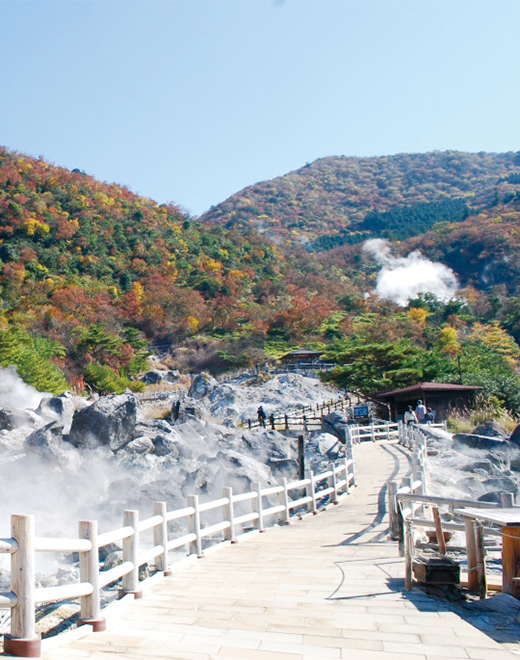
[(192, 100)]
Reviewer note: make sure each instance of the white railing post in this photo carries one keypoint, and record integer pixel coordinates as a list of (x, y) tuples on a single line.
[(89, 572), (258, 506), (333, 484), (131, 553), (194, 526), (160, 537), (283, 518), (350, 456), (311, 492), (23, 640), (387, 430), (373, 432), (347, 485), (409, 552), (393, 521), (229, 515)]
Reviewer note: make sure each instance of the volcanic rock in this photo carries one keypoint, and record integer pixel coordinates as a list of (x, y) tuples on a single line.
[(165, 446), (491, 429), (7, 420), (329, 446), (140, 445), (480, 441), (515, 437), (46, 442), (152, 377), (109, 422), (61, 408), (491, 496), (113, 559), (336, 424), (501, 483), (202, 385)]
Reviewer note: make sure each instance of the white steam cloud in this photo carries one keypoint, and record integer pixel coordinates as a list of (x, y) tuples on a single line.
[(402, 278), (15, 393)]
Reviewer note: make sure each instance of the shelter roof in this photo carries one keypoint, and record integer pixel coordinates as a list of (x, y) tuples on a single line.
[(302, 352), (429, 387)]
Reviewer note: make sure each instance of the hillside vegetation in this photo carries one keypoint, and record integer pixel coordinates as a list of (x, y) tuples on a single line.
[(102, 271), (92, 276), (339, 199)]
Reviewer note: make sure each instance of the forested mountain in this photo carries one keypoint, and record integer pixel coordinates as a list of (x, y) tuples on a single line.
[(343, 200), (92, 275)]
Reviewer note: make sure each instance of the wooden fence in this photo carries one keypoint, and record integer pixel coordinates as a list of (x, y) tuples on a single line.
[(304, 419), (237, 514)]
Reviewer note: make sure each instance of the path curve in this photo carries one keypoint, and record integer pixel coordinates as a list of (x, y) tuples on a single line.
[(327, 586)]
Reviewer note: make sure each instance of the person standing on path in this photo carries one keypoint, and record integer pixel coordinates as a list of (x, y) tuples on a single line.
[(409, 416), (261, 416), (420, 411)]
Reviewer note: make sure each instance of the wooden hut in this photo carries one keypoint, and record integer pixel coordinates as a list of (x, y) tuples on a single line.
[(303, 356), (443, 398)]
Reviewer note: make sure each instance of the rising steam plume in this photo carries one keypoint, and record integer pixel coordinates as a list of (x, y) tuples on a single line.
[(402, 278)]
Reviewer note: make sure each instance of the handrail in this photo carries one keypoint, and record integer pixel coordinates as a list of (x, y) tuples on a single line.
[(115, 535), (339, 479), (405, 500), (8, 546), (45, 544), (446, 500)]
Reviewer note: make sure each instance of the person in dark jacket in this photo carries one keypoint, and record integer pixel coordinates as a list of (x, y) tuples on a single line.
[(261, 416)]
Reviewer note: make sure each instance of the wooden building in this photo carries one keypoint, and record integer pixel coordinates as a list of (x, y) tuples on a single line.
[(302, 356), (443, 398)]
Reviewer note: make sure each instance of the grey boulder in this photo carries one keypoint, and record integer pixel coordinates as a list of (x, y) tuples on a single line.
[(480, 441), (201, 386), (60, 408), (140, 445), (46, 442), (336, 423), (109, 422), (491, 429), (515, 437), (165, 446)]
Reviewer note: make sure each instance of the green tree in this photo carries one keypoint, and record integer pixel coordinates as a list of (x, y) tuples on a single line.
[(371, 367), (31, 357)]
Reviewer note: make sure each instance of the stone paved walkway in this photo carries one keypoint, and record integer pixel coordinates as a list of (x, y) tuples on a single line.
[(327, 586)]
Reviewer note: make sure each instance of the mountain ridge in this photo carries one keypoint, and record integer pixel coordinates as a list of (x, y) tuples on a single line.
[(334, 193)]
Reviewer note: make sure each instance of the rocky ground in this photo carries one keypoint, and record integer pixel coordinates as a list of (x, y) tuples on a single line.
[(478, 466), (66, 459)]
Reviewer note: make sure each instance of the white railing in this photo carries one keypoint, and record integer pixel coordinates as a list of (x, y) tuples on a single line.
[(409, 507), (415, 440), (374, 431), (409, 432), (257, 509)]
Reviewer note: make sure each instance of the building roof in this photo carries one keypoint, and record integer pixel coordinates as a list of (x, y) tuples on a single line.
[(302, 352), (429, 387)]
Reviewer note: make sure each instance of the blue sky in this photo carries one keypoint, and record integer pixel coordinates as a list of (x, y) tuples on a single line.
[(191, 100)]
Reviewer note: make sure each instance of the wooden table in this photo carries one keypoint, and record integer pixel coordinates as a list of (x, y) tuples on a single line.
[(509, 521)]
